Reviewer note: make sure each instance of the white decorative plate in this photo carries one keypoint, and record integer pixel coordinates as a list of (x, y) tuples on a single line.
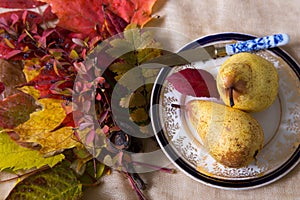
[(280, 122)]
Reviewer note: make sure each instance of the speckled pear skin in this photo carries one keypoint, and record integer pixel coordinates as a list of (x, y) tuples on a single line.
[(231, 136), (254, 81)]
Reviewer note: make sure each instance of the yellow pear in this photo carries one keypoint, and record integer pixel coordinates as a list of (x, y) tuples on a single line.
[(231, 136), (247, 82)]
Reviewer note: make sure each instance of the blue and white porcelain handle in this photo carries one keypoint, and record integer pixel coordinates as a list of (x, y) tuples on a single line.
[(257, 44)]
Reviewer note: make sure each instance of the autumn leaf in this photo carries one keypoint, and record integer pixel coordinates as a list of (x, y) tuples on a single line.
[(15, 157), (139, 115), (194, 82), (19, 4), (133, 11), (2, 87), (112, 25), (12, 76), (57, 183), (79, 16), (15, 109), (132, 50), (86, 17), (39, 128), (50, 84), (16, 29), (135, 48)]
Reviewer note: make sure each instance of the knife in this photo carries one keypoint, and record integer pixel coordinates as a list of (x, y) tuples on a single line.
[(210, 52)]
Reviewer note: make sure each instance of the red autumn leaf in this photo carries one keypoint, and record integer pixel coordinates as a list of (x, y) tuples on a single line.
[(2, 87), (133, 11), (15, 109), (13, 24), (112, 25), (7, 18), (88, 17), (78, 15), (20, 3), (194, 82), (48, 14), (7, 53), (68, 121), (45, 84)]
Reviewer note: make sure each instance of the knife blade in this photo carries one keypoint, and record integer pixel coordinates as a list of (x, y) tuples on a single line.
[(211, 52)]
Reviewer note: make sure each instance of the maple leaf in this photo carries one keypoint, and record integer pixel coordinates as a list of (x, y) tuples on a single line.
[(194, 82), (78, 15), (15, 109), (16, 157), (133, 11), (57, 183), (39, 128), (87, 16), (20, 3)]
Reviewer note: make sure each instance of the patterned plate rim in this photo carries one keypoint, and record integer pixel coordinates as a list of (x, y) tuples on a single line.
[(181, 163)]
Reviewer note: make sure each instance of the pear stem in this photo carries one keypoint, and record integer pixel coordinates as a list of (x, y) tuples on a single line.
[(173, 105), (231, 101)]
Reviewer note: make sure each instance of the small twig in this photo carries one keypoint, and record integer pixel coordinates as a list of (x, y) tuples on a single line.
[(135, 187), (162, 169)]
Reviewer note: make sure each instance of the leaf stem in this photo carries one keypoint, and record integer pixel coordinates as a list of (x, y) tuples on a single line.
[(25, 174)]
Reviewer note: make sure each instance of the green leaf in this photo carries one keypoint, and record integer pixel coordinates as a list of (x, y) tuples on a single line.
[(16, 157), (53, 184)]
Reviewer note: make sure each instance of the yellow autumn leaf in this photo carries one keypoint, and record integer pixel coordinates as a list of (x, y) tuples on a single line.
[(16, 157), (31, 91), (29, 71), (38, 129)]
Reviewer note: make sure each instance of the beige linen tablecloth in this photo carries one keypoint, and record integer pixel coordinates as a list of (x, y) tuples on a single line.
[(197, 18), (193, 19)]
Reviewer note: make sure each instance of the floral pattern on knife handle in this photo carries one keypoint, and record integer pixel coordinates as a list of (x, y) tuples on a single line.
[(257, 44)]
